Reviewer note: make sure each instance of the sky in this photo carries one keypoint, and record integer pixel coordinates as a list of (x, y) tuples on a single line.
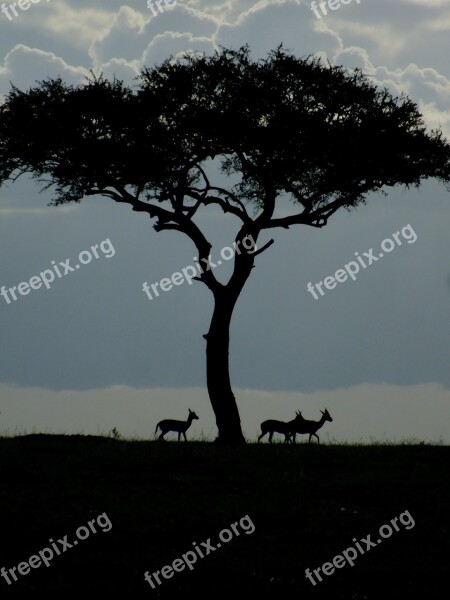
[(91, 351)]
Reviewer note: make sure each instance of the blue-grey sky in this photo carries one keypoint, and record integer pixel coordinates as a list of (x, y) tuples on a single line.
[(93, 352)]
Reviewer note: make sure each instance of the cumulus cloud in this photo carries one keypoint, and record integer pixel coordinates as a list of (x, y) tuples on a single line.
[(135, 38), (24, 66)]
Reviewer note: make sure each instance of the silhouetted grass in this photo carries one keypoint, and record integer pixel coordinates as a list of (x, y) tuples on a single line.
[(307, 503)]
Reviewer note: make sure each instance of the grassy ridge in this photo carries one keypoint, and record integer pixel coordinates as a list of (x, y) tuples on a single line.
[(306, 502)]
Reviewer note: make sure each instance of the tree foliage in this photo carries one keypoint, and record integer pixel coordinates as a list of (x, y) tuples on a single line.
[(290, 129)]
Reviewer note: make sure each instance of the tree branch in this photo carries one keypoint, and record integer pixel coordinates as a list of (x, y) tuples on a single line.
[(224, 205), (269, 243), (316, 218), (232, 196), (166, 226), (169, 220)]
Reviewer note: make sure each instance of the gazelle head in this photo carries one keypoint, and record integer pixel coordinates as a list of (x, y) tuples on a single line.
[(298, 416), (192, 415), (326, 415)]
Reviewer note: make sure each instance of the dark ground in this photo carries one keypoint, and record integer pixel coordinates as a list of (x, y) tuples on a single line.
[(307, 503)]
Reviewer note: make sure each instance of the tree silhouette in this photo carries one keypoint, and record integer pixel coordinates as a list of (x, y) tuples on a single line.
[(289, 132)]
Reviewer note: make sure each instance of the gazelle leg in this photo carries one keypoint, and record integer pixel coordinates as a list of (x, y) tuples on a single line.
[(261, 436), (270, 436), (179, 436), (185, 438), (161, 437)]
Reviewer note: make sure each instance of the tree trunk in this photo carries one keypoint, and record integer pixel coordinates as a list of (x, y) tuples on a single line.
[(218, 372)]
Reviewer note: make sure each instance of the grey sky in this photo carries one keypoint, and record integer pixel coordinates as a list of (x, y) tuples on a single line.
[(97, 353)]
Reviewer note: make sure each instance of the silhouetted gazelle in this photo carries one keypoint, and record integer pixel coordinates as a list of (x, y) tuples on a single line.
[(304, 426), (180, 426), (271, 426)]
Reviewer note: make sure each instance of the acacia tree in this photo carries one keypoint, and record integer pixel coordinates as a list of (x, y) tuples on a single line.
[(287, 131)]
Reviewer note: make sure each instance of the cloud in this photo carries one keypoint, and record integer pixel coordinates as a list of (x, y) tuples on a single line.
[(429, 4), (361, 413), (79, 25), (162, 46), (145, 40), (24, 66), (266, 25)]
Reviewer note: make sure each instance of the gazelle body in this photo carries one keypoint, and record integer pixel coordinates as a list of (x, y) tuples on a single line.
[(179, 426), (304, 426), (271, 426)]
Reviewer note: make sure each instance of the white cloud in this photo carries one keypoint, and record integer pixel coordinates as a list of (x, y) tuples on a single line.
[(80, 25), (24, 66), (131, 36), (428, 3), (163, 45), (361, 413)]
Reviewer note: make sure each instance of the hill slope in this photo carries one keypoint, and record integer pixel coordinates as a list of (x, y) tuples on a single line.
[(306, 504)]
